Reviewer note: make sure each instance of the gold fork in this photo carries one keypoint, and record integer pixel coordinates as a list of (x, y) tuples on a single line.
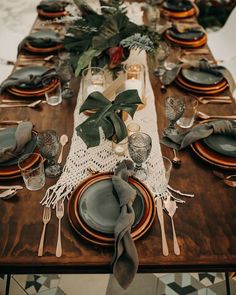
[(59, 214), (46, 219)]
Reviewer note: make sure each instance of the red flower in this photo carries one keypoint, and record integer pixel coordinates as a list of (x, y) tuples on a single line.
[(116, 56)]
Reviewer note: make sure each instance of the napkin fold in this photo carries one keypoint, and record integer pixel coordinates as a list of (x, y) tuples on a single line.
[(203, 65), (183, 139), (21, 137), (52, 6), (29, 80), (125, 260)]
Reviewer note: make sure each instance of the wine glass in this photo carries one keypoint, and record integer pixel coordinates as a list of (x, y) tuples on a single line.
[(65, 72), (161, 54), (48, 144), (174, 108), (139, 145)]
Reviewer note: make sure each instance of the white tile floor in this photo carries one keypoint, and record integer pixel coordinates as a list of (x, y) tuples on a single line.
[(143, 284)]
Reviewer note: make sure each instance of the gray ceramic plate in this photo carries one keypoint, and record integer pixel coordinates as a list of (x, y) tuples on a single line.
[(178, 6), (197, 76), (25, 72), (49, 37), (223, 144), (7, 138), (99, 208)]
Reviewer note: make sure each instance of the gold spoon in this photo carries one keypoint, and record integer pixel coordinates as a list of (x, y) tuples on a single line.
[(63, 142), (204, 116)]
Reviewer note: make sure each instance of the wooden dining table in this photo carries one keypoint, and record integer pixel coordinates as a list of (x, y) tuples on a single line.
[(205, 225)]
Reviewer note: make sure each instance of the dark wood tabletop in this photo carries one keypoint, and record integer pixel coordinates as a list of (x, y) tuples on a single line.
[(205, 225)]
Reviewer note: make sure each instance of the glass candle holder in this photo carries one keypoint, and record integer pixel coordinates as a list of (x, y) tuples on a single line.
[(133, 127), (135, 79), (93, 79), (121, 147)]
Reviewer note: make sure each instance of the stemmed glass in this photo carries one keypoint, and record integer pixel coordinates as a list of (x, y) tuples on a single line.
[(174, 109), (48, 144), (161, 54), (139, 145), (65, 72)]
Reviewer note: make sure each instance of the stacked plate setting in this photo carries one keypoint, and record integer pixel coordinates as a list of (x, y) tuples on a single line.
[(31, 91), (9, 169), (190, 38), (199, 81), (93, 209), (218, 150), (178, 9), (49, 11), (43, 42)]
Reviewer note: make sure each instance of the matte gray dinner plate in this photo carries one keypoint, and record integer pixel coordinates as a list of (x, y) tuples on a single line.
[(178, 6), (223, 144), (197, 76), (45, 39), (190, 35), (25, 72), (7, 138), (99, 208)]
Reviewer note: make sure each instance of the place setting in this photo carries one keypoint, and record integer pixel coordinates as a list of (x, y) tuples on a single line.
[(211, 140), (178, 10), (189, 37), (52, 9), (41, 42)]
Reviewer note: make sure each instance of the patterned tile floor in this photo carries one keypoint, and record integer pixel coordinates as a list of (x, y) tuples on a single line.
[(143, 284)]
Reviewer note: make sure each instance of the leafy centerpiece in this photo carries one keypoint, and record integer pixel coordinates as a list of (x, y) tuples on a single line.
[(104, 40), (107, 116)]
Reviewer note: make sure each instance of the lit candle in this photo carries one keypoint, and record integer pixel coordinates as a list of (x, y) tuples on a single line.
[(94, 87), (134, 84)]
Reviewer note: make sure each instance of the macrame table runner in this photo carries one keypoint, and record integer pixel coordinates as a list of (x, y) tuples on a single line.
[(101, 158)]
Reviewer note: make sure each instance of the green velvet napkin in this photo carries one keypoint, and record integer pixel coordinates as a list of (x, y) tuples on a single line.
[(13, 146), (182, 139), (125, 260), (31, 80)]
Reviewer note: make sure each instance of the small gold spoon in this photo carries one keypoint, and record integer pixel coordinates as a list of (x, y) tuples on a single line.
[(204, 116)]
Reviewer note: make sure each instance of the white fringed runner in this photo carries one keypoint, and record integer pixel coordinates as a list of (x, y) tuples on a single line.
[(101, 158)]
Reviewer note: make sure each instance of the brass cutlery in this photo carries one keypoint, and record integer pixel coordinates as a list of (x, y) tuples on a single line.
[(29, 105), (170, 207), (165, 249), (204, 116), (214, 99), (46, 219), (63, 142), (59, 214), (176, 160), (17, 187), (10, 122), (7, 194)]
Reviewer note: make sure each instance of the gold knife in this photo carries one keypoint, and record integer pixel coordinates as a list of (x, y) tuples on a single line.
[(165, 249)]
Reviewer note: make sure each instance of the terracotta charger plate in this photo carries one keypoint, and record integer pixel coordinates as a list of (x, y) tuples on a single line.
[(189, 88), (33, 49), (93, 209), (193, 44), (182, 14), (201, 87), (35, 90), (31, 93), (212, 157), (43, 13)]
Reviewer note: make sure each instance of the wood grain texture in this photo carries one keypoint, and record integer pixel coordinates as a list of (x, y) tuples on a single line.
[(205, 225)]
